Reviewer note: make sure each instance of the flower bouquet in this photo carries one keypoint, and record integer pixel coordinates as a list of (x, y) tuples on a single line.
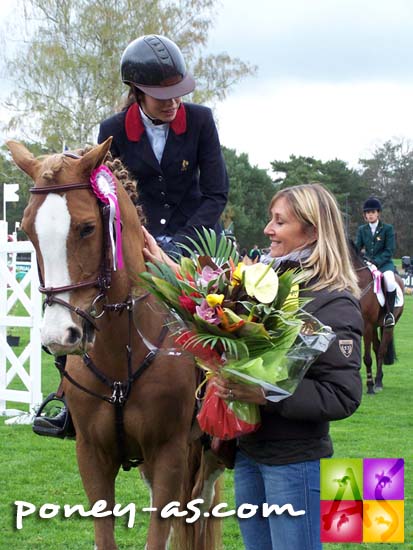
[(244, 322)]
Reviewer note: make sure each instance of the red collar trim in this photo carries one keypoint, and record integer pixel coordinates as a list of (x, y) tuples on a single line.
[(134, 126)]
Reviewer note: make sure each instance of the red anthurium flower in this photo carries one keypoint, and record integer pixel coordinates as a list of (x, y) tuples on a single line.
[(187, 303)]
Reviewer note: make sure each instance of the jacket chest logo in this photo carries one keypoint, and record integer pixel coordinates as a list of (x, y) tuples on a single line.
[(346, 347), (184, 166)]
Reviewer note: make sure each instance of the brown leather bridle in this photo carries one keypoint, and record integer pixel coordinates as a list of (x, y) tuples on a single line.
[(102, 281), (120, 388)]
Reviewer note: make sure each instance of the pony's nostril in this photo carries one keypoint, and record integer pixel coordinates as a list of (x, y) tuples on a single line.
[(74, 335)]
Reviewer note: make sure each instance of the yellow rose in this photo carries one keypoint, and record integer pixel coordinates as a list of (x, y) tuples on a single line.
[(214, 300), (237, 274)]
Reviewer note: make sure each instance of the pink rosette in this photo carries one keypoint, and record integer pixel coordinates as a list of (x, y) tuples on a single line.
[(104, 187)]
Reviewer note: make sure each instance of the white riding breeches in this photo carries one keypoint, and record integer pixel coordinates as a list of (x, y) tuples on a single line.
[(389, 281)]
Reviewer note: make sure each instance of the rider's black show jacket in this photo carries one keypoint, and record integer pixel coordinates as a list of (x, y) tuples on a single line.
[(189, 188)]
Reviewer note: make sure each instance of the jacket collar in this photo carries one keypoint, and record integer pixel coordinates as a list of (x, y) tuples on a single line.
[(379, 227), (134, 126)]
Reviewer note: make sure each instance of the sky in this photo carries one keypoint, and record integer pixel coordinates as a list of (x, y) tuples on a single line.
[(335, 77), (334, 80)]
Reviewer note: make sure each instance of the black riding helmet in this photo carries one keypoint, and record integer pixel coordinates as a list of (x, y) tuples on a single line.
[(372, 204), (155, 65)]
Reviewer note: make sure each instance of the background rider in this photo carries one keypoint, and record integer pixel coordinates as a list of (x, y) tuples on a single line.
[(377, 241)]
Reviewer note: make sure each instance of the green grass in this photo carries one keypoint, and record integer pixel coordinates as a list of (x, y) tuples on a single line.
[(43, 470)]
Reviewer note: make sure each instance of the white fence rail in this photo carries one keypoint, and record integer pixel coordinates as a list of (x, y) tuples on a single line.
[(20, 375)]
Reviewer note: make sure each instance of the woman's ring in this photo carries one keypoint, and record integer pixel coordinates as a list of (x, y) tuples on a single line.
[(230, 395)]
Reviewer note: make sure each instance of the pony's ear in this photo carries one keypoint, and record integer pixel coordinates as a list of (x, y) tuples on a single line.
[(24, 159), (95, 157)]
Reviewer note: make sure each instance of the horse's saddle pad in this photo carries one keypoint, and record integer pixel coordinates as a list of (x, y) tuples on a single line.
[(378, 289)]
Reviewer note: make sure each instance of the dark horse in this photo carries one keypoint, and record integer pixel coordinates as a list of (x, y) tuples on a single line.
[(373, 315), (130, 404)]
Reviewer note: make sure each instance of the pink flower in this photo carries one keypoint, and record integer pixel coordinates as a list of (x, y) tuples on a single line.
[(208, 274), (207, 313)]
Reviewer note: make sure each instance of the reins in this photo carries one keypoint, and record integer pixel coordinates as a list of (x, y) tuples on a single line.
[(365, 290)]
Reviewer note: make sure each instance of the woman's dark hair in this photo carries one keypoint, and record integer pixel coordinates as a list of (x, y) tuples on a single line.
[(134, 96)]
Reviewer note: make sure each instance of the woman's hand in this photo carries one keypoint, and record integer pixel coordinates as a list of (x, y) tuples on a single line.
[(237, 391), (154, 253)]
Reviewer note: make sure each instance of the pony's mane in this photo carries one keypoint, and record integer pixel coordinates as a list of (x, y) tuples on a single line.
[(352, 246), (354, 253), (52, 164)]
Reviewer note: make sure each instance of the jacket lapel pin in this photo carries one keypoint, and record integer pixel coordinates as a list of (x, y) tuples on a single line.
[(185, 164)]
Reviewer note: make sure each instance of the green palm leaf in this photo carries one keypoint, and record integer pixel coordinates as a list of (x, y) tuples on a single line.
[(232, 347), (207, 244)]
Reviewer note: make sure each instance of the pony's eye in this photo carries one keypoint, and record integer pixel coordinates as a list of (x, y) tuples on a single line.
[(86, 230)]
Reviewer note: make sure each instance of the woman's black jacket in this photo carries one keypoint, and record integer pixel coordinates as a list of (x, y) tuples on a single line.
[(297, 428)]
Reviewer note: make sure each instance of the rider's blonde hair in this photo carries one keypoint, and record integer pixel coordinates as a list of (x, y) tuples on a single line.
[(329, 263)]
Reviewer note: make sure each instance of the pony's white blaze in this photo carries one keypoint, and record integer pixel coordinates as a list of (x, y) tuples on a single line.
[(52, 226)]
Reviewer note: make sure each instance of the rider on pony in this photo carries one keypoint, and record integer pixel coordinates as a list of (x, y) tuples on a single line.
[(377, 240), (175, 199)]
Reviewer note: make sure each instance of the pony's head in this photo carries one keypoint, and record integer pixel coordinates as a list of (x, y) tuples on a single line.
[(65, 223)]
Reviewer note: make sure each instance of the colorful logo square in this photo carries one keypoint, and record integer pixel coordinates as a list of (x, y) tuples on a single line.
[(362, 500), (383, 521), (341, 521), (383, 479), (341, 479)]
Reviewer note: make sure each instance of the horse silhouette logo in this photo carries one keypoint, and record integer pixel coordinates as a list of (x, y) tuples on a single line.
[(346, 347)]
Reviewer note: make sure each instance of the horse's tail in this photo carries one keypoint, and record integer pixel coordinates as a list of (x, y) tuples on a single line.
[(200, 482), (390, 355)]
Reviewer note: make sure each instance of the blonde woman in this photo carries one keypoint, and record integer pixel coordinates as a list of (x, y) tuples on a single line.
[(280, 463)]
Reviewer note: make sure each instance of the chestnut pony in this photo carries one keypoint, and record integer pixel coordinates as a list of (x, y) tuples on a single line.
[(129, 404), (374, 335)]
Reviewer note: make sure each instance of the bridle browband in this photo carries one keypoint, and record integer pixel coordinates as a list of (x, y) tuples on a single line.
[(102, 282)]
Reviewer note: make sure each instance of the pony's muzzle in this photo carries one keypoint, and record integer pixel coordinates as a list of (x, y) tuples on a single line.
[(64, 336)]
